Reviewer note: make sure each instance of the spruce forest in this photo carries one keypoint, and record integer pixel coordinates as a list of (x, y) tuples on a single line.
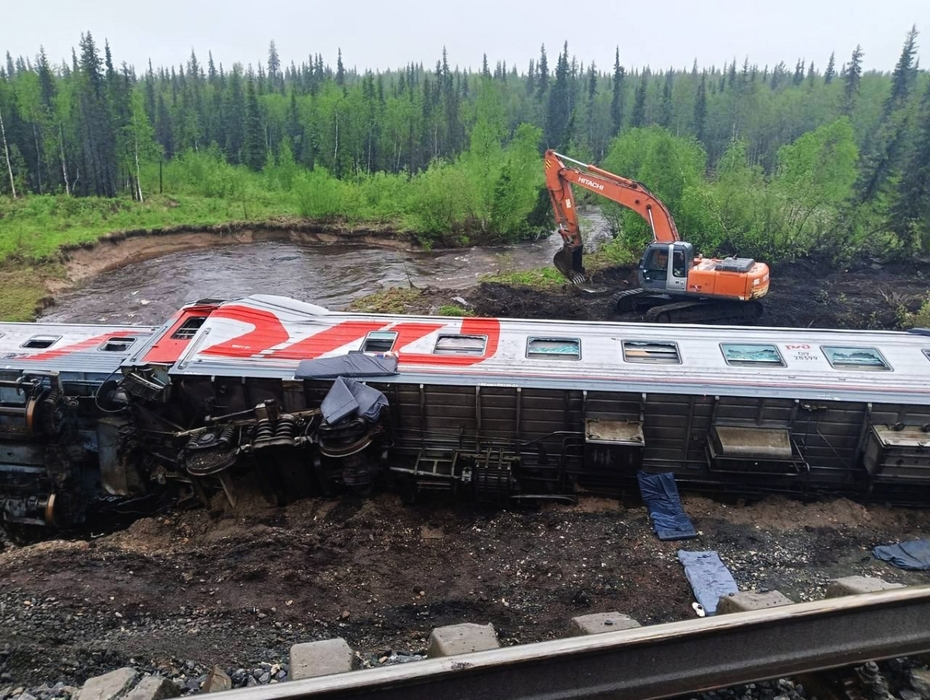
[(799, 158)]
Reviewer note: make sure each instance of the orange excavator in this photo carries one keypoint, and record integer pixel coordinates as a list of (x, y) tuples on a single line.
[(675, 285)]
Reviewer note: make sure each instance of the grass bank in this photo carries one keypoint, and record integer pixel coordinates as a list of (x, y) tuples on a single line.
[(36, 227), (35, 230)]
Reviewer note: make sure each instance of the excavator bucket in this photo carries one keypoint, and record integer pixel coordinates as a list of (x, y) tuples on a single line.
[(568, 262)]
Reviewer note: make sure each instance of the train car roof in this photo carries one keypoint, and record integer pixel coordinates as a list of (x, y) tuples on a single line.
[(268, 336), (66, 347)]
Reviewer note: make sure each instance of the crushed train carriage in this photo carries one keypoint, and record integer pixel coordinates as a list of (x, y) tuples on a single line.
[(314, 402)]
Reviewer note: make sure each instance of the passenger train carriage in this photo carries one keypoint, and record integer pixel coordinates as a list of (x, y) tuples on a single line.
[(315, 402)]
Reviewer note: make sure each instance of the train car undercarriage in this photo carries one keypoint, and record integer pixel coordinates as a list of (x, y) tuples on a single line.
[(70, 447)]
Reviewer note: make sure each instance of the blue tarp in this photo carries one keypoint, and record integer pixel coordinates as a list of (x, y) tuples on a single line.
[(710, 579), (661, 496), (347, 397), (914, 555)]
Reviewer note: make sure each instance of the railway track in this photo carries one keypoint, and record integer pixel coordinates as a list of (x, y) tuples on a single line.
[(648, 663)]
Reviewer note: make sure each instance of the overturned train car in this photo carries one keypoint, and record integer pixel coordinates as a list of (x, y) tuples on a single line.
[(304, 401)]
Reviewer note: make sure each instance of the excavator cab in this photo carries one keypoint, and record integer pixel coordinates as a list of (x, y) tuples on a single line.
[(665, 266)]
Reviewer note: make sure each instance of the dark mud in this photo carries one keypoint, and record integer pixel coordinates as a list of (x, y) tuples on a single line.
[(803, 294), (237, 589)]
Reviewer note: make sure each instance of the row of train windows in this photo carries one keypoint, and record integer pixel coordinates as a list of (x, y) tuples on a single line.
[(114, 344), (643, 351)]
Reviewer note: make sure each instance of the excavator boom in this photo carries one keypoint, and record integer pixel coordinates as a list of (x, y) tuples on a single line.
[(625, 192)]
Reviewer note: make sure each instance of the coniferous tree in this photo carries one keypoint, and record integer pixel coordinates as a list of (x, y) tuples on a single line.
[(852, 76), (234, 116), (910, 211), (559, 111), (530, 78), (164, 132), (98, 142), (340, 70), (887, 146), (903, 76), (254, 150), (700, 108), (638, 117), (592, 82), (150, 101), (830, 73), (275, 80), (617, 96), (542, 66), (295, 128), (779, 73), (665, 112)]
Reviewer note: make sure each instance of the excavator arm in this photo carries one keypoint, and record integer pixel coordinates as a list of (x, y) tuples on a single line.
[(625, 192)]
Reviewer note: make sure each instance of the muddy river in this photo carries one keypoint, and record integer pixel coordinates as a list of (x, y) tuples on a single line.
[(329, 275)]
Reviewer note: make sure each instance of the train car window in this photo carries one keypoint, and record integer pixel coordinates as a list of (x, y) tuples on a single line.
[(855, 358), (379, 341), (751, 354), (460, 345), (655, 352), (554, 348), (926, 352), (188, 329), (121, 344), (40, 342)]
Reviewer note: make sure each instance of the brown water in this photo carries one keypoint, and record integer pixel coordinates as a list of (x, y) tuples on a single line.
[(328, 275)]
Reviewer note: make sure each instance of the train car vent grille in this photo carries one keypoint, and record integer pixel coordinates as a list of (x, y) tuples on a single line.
[(40, 342), (553, 348), (868, 359), (379, 341), (654, 352), (751, 354), (188, 329), (460, 345), (121, 344)]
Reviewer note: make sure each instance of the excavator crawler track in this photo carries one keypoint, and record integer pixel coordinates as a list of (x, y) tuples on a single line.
[(626, 301), (705, 311), (659, 308)]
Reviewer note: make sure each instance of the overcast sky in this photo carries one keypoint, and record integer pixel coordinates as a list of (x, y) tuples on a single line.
[(382, 34)]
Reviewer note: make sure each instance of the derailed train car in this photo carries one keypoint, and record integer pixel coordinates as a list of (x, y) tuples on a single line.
[(305, 401)]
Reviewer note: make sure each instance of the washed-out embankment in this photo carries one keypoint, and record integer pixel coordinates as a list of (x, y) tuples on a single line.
[(114, 250)]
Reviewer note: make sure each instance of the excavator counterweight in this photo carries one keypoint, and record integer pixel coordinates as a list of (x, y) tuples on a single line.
[(674, 283)]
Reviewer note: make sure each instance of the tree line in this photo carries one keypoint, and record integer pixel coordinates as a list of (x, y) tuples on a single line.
[(833, 148)]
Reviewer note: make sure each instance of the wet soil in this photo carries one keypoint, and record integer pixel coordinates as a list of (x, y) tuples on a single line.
[(180, 592), (803, 294)]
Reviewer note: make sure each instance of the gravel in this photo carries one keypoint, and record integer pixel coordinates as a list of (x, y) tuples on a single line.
[(177, 594)]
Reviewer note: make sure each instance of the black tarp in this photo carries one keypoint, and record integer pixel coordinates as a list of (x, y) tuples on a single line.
[(353, 364), (348, 397), (660, 494), (913, 555)]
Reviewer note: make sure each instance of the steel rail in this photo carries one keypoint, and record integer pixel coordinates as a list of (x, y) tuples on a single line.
[(659, 661)]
